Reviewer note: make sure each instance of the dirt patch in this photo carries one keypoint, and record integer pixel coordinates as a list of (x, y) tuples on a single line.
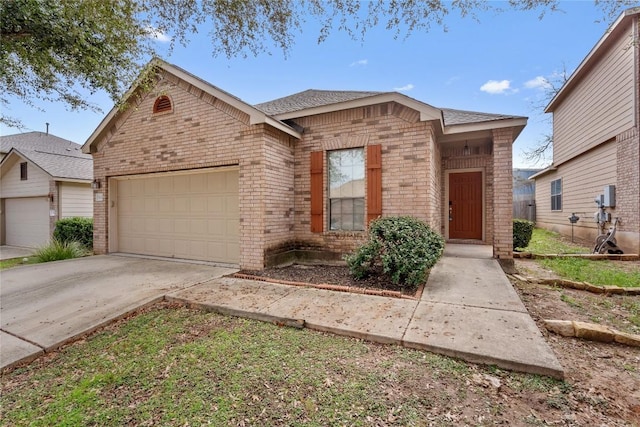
[(329, 274), (604, 378), (602, 385)]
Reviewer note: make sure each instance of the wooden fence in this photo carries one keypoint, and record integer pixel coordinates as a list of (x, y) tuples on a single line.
[(524, 209)]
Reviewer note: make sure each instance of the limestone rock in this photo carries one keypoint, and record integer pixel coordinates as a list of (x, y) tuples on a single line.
[(627, 339), (560, 327), (593, 332)]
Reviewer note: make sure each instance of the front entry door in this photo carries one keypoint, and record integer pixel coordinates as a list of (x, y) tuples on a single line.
[(465, 205)]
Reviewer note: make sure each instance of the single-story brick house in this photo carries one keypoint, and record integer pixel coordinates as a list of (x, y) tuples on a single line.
[(43, 178), (190, 171)]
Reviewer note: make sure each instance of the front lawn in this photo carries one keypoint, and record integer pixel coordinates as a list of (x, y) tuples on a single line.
[(176, 366), (597, 272), (13, 262)]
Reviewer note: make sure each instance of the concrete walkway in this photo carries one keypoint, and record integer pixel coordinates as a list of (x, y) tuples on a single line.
[(468, 310)]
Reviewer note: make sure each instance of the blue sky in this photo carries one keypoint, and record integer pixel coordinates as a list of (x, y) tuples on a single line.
[(495, 66)]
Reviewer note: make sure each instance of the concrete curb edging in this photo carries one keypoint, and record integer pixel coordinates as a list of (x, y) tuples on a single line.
[(338, 288), (74, 338), (591, 332), (582, 286), (595, 257)]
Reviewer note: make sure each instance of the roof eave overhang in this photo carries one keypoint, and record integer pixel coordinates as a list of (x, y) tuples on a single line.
[(596, 52), (517, 123), (74, 180), (427, 112), (255, 116), (545, 171)]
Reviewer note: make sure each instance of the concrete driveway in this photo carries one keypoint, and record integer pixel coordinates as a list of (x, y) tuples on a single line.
[(42, 306)]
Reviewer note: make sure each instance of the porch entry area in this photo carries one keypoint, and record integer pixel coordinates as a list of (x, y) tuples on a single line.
[(465, 205)]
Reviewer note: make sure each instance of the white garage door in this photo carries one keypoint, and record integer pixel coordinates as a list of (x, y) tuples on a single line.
[(27, 221), (188, 216)]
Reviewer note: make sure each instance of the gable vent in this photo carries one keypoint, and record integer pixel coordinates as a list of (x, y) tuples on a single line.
[(162, 104)]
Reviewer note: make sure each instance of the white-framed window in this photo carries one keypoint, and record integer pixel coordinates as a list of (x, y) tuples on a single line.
[(556, 195), (346, 189)]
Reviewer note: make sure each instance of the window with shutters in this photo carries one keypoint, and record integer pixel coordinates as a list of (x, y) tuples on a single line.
[(23, 171), (556, 195), (346, 189), (162, 105)]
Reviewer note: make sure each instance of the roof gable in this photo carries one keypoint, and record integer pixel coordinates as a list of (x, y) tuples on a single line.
[(58, 157), (255, 115), (59, 166), (605, 42)]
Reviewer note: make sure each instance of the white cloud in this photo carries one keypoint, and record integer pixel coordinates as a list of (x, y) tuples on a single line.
[(452, 80), (154, 33), (495, 87), (362, 62), (404, 88), (538, 82)]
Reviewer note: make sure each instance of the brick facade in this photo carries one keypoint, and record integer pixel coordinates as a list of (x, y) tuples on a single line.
[(503, 194), (203, 132), (627, 193)]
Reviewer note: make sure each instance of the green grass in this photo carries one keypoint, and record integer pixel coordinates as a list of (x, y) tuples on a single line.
[(13, 262), (179, 366), (57, 250), (597, 272), (548, 242)]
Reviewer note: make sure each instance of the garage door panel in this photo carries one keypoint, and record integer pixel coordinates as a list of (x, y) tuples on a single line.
[(181, 216), (27, 221)]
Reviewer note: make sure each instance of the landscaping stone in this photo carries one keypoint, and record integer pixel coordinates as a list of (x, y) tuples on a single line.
[(593, 332), (560, 327), (628, 339), (613, 290)]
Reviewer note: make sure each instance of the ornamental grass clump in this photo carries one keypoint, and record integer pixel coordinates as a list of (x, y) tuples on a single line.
[(57, 250), (403, 248)]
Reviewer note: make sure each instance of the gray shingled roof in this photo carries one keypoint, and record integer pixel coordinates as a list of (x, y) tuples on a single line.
[(317, 98), (310, 99), (461, 117), (59, 157)]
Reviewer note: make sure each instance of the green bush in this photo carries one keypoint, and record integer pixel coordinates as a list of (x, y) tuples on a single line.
[(58, 250), (522, 230), (403, 248), (76, 229)]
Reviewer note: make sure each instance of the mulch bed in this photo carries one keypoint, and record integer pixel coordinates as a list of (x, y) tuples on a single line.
[(337, 277)]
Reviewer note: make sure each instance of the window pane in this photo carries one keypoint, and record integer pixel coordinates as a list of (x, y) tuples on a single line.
[(346, 214), (346, 173)]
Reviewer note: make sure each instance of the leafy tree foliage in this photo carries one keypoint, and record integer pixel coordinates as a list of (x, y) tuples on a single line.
[(51, 49)]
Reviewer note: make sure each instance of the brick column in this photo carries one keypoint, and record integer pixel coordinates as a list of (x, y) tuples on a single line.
[(503, 197)]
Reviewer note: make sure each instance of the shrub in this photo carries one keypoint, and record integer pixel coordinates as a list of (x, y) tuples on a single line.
[(76, 229), (522, 230), (58, 250), (403, 248)]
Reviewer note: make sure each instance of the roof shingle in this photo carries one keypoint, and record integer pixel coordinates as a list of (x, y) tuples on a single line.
[(58, 157)]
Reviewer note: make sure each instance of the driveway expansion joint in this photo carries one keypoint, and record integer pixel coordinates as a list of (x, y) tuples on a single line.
[(24, 339)]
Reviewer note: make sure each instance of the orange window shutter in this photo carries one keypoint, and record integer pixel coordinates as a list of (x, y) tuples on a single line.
[(317, 193), (374, 182)]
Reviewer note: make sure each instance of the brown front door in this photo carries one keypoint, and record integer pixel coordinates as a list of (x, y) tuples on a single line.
[(465, 205)]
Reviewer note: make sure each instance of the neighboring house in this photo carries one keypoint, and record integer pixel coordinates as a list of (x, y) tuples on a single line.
[(524, 193), (596, 127), (190, 171), (42, 178)]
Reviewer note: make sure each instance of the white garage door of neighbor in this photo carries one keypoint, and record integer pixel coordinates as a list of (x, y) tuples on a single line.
[(188, 216), (27, 221)]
